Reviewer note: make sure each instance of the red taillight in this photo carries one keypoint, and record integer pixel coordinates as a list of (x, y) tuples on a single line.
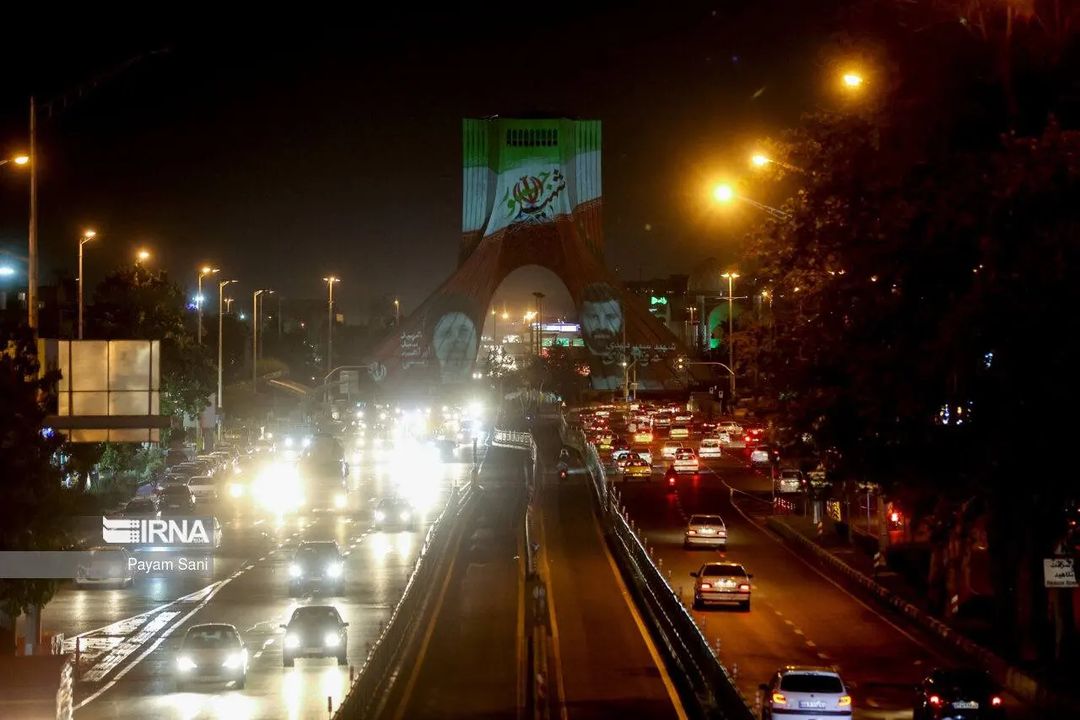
[(696, 477), (744, 587), (779, 699), (895, 517), (706, 586), (935, 700), (995, 701), (671, 481), (746, 439)]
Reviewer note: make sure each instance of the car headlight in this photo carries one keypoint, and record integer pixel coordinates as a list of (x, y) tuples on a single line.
[(288, 442), (340, 500), (404, 515), (295, 570), (292, 641), (236, 490), (185, 664), (306, 442), (380, 515), (234, 660), (334, 570), (331, 640)]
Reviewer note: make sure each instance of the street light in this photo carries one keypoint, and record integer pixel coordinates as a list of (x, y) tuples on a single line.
[(330, 281), (220, 335), (142, 256), (228, 306), (724, 194), (87, 236), (852, 80), (731, 276), (255, 337), (17, 160), (203, 272), (7, 271), (397, 312), (760, 160)]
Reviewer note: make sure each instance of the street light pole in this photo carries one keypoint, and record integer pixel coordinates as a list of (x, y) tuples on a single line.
[(203, 272), (330, 320), (397, 312), (255, 340), (87, 236), (731, 328), (32, 254), (220, 354)]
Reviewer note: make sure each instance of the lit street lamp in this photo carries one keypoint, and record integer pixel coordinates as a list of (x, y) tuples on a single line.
[(17, 159), (228, 306), (724, 194), (852, 80), (203, 272), (397, 312), (220, 335), (87, 236), (330, 321), (760, 160), (142, 256), (32, 249), (731, 328)]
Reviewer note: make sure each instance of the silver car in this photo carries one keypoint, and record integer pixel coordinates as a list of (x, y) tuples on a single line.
[(105, 567), (806, 693), (721, 583), (706, 530), (212, 652)]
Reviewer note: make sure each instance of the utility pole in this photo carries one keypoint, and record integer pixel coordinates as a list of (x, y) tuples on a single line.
[(220, 353), (87, 236), (32, 255), (330, 321), (255, 340), (731, 330)]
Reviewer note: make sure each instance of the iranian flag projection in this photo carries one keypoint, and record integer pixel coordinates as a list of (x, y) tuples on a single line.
[(531, 195)]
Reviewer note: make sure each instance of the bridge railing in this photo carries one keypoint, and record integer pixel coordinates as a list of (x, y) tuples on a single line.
[(686, 645), (372, 685)]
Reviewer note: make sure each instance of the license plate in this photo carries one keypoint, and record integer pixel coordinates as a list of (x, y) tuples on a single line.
[(814, 704), (965, 705)]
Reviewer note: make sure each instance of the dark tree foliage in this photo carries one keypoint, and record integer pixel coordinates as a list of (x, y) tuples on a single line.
[(35, 505)]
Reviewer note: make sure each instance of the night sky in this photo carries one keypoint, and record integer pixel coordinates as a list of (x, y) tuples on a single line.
[(283, 152)]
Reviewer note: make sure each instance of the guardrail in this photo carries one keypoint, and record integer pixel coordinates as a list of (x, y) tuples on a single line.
[(372, 684), (713, 686)]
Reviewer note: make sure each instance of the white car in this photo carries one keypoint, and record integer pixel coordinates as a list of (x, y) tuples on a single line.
[(709, 448), (679, 431), (707, 530), (790, 481), (669, 448), (686, 460), (212, 652), (203, 488), (106, 566), (759, 456), (805, 692), (730, 427), (721, 583)]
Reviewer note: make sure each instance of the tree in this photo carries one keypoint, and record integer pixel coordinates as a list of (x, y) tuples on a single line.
[(34, 507), (139, 303)]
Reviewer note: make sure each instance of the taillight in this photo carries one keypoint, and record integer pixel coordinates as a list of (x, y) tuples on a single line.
[(844, 701), (671, 482), (746, 439), (744, 587), (779, 699), (935, 700), (995, 701), (691, 532), (706, 586)]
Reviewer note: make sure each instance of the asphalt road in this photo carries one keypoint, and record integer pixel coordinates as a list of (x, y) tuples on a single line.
[(797, 616), (130, 637)]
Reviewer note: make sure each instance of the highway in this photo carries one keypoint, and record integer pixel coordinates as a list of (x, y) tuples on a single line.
[(129, 637), (797, 615)]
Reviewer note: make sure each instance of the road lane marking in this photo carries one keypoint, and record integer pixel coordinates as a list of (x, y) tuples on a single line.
[(825, 577), (665, 678)]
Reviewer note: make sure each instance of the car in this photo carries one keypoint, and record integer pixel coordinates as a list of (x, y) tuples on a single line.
[(752, 437), (105, 567), (709, 448), (721, 583), (960, 693), (203, 488), (686, 460), (680, 432), (393, 513), (315, 631), (176, 500), (644, 453), (643, 436), (317, 563), (604, 441), (730, 427), (141, 507), (620, 444), (669, 448), (708, 530), (804, 692), (759, 457), (637, 468), (212, 652), (790, 480)]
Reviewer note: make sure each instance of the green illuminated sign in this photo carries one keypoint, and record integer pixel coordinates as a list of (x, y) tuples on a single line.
[(653, 300)]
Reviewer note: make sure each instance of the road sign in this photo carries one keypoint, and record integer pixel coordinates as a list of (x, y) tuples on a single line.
[(1059, 573)]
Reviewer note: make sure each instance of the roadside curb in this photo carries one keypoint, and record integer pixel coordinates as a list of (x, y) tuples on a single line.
[(1012, 678)]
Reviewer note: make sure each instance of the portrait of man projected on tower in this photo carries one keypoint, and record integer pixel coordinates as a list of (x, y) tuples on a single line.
[(601, 329), (454, 342)]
